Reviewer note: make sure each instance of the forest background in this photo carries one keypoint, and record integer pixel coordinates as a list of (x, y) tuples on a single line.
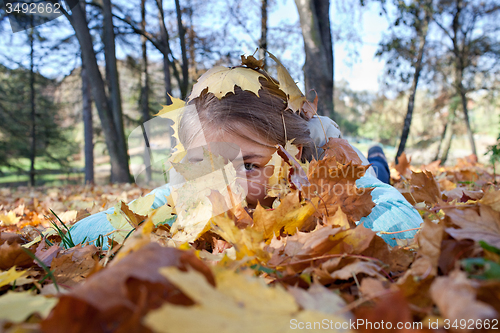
[(436, 62)]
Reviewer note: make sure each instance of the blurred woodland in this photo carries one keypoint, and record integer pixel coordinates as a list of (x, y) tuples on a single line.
[(73, 89)]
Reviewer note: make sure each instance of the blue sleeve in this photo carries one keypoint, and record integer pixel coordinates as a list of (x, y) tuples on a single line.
[(391, 212), (91, 227)]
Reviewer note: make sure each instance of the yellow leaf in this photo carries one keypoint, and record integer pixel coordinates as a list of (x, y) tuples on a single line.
[(9, 218), (289, 87), (138, 239), (339, 219), (221, 80), (142, 206), (192, 205), (248, 242), (161, 214), (291, 215), (16, 307), (119, 221), (174, 112), (177, 104), (239, 303), (10, 276)]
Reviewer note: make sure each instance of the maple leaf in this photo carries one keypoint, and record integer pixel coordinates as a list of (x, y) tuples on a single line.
[(429, 240), (221, 81), (251, 62), (423, 188), (74, 265), (9, 218), (296, 176), (359, 266), (492, 199), (482, 224), (136, 211), (318, 298), (335, 185), (248, 241), (291, 215), (174, 112), (384, 310), (193, 206), (46, 255), (304, 245), (10, 276), (238, 303), (116, 297), (403, 166), (309, 109), (17, 306), (342, 151), (14, 255), (455, 297), (295, 97)]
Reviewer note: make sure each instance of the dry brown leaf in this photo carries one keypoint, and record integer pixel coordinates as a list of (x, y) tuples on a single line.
[(251, 62), (74, 265), (492, 199), (13, 255), (385, 311), (476, 224), (124, 291), (403, 166), (455, 297), (358, 267), (46, 255), (317, 298), (423, 188), (342, 151), (429, 242)]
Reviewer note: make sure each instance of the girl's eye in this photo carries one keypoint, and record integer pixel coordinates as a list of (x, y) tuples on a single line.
[(249, 166)]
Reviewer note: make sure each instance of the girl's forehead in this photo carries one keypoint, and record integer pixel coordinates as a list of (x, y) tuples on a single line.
[(231, 145)]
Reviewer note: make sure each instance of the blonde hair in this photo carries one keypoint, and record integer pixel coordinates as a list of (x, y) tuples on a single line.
[(265, 115)]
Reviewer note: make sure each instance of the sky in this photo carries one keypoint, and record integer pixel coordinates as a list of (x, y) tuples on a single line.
[(359, 68)]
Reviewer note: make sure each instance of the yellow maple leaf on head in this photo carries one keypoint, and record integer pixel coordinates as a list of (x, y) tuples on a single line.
[(286, 83), (221, 80)]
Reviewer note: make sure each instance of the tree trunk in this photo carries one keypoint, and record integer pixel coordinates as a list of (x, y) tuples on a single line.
[(88, 130), (447, 140), (166, 44), (33, 111), (413, 91), (263, 33), (318, 68), (145, 92), (118, 156), (460, 60), (182, 37), (112, 77), (470, 133)]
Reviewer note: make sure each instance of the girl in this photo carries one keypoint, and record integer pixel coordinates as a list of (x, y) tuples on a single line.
[(225, 109)]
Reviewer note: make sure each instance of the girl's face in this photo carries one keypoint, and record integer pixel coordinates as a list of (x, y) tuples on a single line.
[(253, 167)]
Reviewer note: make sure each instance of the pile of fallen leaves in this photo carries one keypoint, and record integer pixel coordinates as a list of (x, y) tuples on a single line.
[(302, 264)]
